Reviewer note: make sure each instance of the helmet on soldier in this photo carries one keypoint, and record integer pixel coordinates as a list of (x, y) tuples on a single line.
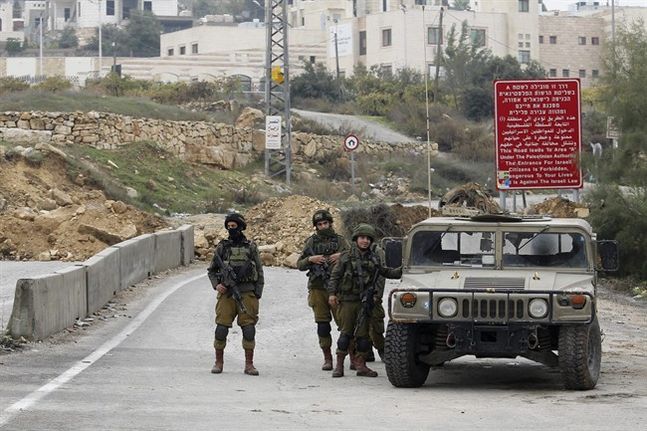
[(238, 219), (321, 215), (364, 229)]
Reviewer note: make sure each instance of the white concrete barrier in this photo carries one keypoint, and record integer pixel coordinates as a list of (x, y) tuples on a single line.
[(47, 304)]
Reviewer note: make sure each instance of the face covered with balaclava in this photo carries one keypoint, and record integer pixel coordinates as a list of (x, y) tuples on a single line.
[(234, 230)]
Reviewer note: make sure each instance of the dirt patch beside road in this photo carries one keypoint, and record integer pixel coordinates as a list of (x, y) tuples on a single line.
[(46, 216)]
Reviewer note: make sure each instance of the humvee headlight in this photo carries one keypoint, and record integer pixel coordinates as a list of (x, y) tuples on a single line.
[(538, 308), (447, 307), (408, 300)]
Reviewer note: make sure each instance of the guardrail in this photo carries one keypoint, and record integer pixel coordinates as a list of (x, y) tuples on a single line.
[(47, 304)]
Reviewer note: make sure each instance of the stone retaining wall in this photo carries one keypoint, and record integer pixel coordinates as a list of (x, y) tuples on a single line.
[(221, 145)]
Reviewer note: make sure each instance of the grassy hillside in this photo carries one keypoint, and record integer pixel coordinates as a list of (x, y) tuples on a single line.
[(69, 101)]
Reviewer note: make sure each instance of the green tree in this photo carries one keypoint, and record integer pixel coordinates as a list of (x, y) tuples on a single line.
[(14, 46), (68, 38), (143, 35), (625, 94), (461, 4), (110, 33), (315, 83)]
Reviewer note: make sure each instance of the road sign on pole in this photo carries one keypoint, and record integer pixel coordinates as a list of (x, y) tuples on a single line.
[(273, 132), (351, 142), (538, 134)]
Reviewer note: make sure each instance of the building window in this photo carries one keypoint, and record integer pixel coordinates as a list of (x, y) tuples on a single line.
[(581, 40), (595, 41), (541, 39), (362, 43), (182, 50), (385, 5), (313, 59), (434, 36), (582, 73), (552, 73), (170, 52), (552, 40), (0, 24), (520, 44), (110, 7), (595, 73), (66, 13), (527, 44), (148, 7), (477, 36), (566, 73), (386, 37), (524, 56), (194, 48), (524, 5), (527, 36), (78, 9)]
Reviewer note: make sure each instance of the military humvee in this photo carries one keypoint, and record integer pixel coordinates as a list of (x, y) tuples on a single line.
[(496, 286)]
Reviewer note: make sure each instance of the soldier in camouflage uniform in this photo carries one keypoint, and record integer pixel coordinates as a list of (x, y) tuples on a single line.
[(241, 256), (320, 253), (376, 321), (350, 281)]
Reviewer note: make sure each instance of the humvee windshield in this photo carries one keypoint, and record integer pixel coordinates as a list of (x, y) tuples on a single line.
[(564, 250), (431, 248)]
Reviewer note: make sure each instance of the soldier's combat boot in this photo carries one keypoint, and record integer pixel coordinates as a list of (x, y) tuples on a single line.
[(362, 369), (339, 368), (217, 367), (249, 363), (352, 356), (327, 365)]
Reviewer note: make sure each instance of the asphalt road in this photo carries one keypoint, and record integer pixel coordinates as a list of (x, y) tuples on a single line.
[(144, 365)]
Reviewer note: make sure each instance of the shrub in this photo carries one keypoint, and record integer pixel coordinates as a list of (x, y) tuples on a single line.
[(54, 84), (622, 216), (68, 38), (14, 46), (12, 85)]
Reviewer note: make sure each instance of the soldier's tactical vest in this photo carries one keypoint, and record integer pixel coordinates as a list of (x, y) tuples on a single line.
[(322, 246), (351, 284), (239, 256)]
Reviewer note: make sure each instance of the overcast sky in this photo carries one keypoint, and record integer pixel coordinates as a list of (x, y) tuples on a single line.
[(564, 4)]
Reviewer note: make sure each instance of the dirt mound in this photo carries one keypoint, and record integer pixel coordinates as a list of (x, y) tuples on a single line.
[(45, 216), (559, 207), (389, 221), (283, 224)]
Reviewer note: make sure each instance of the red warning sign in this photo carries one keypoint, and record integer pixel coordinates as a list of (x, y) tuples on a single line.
[(538, 134)]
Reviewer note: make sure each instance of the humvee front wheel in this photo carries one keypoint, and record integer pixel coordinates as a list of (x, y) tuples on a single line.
[(400, 345), (580, 354)]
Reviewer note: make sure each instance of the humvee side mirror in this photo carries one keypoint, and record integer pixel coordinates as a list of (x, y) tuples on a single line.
[(608, 254), (392, 251)]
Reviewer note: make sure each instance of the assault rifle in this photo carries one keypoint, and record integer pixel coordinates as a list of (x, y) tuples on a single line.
[(230, 281), (367, 296), (318, 271)]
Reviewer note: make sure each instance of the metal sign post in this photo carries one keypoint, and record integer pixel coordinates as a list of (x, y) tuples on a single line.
[(351, 143)]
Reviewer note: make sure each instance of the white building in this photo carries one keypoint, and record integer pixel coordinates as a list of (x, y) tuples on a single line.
[(10, 28), (89, 13)]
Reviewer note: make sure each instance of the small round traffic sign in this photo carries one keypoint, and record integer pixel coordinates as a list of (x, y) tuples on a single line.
[(351, 142)]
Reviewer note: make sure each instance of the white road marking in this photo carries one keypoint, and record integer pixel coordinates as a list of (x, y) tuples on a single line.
[(31, 399)]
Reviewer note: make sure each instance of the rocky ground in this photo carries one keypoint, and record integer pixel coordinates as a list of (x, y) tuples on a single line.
[(46, 216)]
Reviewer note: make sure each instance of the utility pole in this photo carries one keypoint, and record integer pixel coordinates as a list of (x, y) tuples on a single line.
[(40, 44), (336, 52), (100, 41), (438, 52), (277, 92), (424, 45)]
